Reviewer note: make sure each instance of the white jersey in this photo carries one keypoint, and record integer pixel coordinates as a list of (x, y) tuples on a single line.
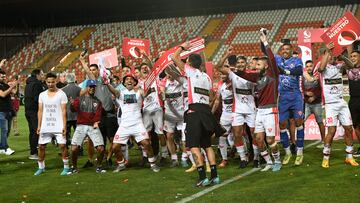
[(226, 98), (173, 103), (130, 104), (52, 118), (152, 100), (243, 91), (199, 85), (185, 93), (332, 83)]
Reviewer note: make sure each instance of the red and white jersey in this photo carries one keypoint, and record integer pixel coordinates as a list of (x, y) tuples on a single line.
[(185, 92), (332, 83), (152, 101), (173, 103), (130, 103), (227, 97), (199, 85), (243, 91)]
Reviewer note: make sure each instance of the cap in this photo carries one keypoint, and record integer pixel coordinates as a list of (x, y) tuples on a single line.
[(91, 83)]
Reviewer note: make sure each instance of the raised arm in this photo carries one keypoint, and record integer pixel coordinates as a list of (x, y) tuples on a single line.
[(146, 57), (8, 91), (220, 66), (177, 59), (113, 91), (324, 61), (85, 66)]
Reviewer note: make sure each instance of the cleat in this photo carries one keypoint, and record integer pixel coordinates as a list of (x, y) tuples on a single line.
[(267, 167), (351, 161), (203, 183), (293, 148), (256, 164), (191, 169), (184, 164), (243, 164), (299, 160), (39, 171), (162, 161), (286, 159), (174, 163), (120, 167), (215, 180), (143, 162), (325, 163), (155, 168), (100, 170), (88, 164), (65, 172), (357, 153), (223, 163), (208, 169), (73, 170), (276, 167)]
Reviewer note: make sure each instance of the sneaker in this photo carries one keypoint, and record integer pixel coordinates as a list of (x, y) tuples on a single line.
[(357, 153), (155, 168), (256, 164), (99, 169), (162, 162), (9, 151), (143, 162), (2, 151), (215, 180), (293, 148), (351, 161), (299, 160), (191, 169), (120, 167), (286, 159), (267, 167), (243, 164), (208, 169), (65, 172), (325, 163), (174, 163), (320, 146), (276, 167), (39, 171), (223, 163), (33, 157), (184, 164), (88, 164), (203, 183)]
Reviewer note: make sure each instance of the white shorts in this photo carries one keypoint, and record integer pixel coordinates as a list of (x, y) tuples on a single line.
[(156, 118), (82, 131), (268, 124), (123, 134), (240, 118), (45, 138), (338, 112), (225, 121), (171, 125)]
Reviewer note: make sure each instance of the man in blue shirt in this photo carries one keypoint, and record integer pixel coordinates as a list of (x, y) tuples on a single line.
[(290, 100)]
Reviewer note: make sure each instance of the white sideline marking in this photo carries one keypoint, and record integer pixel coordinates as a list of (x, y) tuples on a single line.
[(207, 190)]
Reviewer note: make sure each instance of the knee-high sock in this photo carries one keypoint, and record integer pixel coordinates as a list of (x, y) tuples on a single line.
[(223, 147), (300, 136), (284, 138)]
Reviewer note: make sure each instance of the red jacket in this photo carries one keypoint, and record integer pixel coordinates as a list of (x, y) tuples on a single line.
[(89, 109)]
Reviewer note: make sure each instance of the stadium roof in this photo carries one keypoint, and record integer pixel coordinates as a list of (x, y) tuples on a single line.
[(52, 13)]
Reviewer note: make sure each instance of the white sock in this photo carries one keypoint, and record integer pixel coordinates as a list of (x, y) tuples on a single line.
[(326, 152), (125, 151), (152, 160), (143, 152), (256, 152), (174, 157), (241, 151), (223, 147), (41, 164), (164, 151), (349, 152), (205, 156), (66, 163), (230, 139), (266, 156), (287, 150), (299, 151), (276, 156), (191, 157), (184, 156)]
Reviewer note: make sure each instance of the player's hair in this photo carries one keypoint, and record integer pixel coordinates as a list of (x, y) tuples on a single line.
[(35, 72), (255, 58), (264, 58), (116, 77), (356, 51), (50, 75), (309, 61), (195, 61), (240, 57), (94, 65), (143, 64)]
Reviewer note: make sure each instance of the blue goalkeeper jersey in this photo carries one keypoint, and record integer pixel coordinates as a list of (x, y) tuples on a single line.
[(289, 83)]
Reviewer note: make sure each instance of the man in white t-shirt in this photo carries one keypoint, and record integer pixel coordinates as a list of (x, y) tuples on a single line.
[(52, 122), (335, 106)]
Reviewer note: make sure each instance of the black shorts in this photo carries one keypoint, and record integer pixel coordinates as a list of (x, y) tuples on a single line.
[(196, 135), (354, 106), (108, 127)]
